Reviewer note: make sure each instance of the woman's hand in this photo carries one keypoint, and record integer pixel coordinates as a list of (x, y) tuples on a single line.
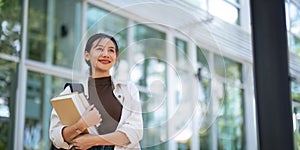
[(84, 141), (91, 116)]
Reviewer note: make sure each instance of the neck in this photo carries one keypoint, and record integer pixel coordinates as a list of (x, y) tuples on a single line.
[(100, 74)]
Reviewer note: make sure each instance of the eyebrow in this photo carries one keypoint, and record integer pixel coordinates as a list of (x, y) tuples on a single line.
[(103, 46)]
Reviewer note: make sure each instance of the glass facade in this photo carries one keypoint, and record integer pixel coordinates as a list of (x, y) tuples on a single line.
[(230, 120), (101, 20), (8, 84), (222, 124), (150, 74), (41, 88), (227, 10), (54, 31), (293, 26), (10, 18), (10, 47), (150, 55)]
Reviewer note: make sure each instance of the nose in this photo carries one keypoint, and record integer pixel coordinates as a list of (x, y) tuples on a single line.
[(104, 52)]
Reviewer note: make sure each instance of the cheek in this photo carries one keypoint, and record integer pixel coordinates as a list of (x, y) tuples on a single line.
[(95, 54), (114, 58)]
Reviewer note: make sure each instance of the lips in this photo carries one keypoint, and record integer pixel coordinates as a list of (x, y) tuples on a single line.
[(104, 61)]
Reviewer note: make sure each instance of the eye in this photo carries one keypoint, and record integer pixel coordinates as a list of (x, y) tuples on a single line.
[(99, 48), (111, 50)]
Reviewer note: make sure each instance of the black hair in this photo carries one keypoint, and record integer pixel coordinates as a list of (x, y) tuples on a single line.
[(100, 36)]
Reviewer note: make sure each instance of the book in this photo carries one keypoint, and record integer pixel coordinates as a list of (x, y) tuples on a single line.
[(70, 107)]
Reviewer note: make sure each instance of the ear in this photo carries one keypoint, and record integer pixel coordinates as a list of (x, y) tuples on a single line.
[(87, 56)]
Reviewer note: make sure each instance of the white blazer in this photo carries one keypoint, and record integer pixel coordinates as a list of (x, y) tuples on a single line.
[(131, 122)]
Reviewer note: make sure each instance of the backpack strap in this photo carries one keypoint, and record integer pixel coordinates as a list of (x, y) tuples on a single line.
[(75, 87)]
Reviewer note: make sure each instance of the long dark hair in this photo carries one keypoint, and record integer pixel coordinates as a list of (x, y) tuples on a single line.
[(100, 36)]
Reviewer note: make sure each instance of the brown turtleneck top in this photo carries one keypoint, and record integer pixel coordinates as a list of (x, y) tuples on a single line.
[(101, 95)]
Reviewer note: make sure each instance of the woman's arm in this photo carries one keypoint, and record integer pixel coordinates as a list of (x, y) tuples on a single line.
[(132, 123), (86, 141), (115, 138), (62, 135), (70, 132), (89, 118)]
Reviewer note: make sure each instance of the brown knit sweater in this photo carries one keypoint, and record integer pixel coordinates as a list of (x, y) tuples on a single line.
[(101, 95)]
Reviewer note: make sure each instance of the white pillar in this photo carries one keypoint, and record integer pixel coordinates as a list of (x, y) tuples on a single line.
[(251, 136), (170, 54), (21, 89), (192, 54)]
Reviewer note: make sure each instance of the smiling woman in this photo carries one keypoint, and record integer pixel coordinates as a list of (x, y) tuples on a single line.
[(102, 55), (116, 104)]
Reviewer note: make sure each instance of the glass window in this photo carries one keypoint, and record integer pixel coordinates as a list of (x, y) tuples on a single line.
[(228, 10), (233, 1), (10, 30), (295, 86), (183, 73), (225, 10), (227, 68), (100, 20), (230, 120), (36, 30), (8, 78), (222, 117), (202, 61), (54, 31), (294, 19), (206, 114), (40, 89), (294, 44), (149, 73), (296, 125), (293, 26), (181, 53)]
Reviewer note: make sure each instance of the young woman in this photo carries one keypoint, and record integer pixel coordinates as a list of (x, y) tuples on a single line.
[(115, 104)]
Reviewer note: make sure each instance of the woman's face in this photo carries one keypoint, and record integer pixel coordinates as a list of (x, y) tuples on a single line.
[(102, 56)]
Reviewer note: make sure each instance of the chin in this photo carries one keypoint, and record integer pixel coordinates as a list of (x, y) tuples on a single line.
[(104, 69)]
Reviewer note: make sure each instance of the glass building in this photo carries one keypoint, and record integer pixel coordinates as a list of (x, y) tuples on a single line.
[(191, 60)]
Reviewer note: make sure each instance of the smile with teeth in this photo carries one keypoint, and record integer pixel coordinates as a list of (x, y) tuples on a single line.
[(104, 61)]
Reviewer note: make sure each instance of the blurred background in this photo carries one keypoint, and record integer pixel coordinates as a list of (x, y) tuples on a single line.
[(191, 60)]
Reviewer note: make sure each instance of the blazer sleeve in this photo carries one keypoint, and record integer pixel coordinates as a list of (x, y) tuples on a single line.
[(133, 124), (56, 127)]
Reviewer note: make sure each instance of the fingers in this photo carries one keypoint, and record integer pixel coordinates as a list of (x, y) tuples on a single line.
[(91, 107), (91, 116)]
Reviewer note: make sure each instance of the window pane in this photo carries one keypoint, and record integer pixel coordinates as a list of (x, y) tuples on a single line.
[(296, 121), (36, 30), (225, 11), (8, 78), (100, 20), (202, 60), (145, 32), (233, 1), (149, 72), (10, 30), (181, 54), (206, 115), (294, 44), (54, 31), (295, 19), (227, 68), (295, 88), (230, 120), (40, 89)]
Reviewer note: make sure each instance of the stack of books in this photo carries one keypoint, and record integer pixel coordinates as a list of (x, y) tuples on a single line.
[(70, 107)]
